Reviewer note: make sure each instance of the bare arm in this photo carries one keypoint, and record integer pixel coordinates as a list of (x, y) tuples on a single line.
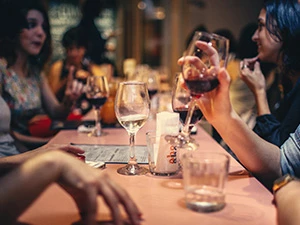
[(257, 155), (53, 76), (288, 204), (11, 162), (82, 182), (73, 91), (26, 139)]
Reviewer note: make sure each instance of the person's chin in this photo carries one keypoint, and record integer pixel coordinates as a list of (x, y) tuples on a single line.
[(34, 52)]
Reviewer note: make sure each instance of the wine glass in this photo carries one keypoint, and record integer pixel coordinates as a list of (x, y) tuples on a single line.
[(153, 86), (132, 107), (152, 82), (183, 103), (205, 55), (97, 93)]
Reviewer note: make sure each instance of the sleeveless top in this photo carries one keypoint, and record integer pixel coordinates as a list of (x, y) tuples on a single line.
[(7, 146)]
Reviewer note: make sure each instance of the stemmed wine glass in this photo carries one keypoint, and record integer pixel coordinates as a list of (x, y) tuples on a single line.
[(97, 93), (153, 86), (152, 82), (182, 103), (132, 107), (205, 55)]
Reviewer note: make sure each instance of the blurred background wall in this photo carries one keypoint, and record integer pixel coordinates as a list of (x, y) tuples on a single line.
[(152, 32)]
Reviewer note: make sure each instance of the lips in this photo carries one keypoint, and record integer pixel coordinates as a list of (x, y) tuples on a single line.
[(37, 43)]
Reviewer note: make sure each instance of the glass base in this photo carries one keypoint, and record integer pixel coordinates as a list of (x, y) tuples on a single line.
[(182, 141), (95, 133), (132, 170)]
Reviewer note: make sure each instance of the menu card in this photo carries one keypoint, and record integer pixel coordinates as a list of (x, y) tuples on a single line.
[(113, 153)]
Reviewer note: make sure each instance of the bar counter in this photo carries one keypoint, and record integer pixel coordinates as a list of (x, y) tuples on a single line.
[(161, 199)]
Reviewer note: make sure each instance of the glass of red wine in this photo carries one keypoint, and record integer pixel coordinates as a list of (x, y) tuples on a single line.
[(97, 93), (183, 103), (152, 83), (204, 56), (153, 86), (202, 60)]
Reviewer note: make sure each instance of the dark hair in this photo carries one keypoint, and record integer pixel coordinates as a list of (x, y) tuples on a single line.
[(229, 35), (247, 48), (91, 8), (74, 36), (283, 23), (10, 38), (200, 27)]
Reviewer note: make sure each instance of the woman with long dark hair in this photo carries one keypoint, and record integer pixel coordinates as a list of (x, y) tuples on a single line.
[(25, 87)]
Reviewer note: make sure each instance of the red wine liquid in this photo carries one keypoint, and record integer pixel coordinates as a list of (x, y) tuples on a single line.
[(197, 114), (198, 87), (97, 102)]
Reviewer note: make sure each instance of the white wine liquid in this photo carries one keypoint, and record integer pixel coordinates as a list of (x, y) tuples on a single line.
[(133, 123)]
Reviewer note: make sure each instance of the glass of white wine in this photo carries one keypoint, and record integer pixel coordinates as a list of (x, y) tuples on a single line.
[(132, 107)]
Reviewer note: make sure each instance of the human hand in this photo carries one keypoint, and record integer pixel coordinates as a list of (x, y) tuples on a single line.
[(72, 150), (215, 105), (252, 75), (211, 57), (85, 183), (74, 88)]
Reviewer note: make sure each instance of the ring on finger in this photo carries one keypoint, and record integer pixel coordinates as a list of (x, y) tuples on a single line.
[(244, 66)]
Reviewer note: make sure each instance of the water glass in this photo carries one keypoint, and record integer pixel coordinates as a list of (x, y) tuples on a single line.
[(204, 176), (162, 155)]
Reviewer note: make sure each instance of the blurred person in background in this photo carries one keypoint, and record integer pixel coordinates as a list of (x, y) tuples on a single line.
[(96, 44), (74, 42), (26, 47), (278, 43)]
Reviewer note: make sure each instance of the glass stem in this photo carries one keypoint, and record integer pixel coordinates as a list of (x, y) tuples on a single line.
[(98, 122), (186, 130), (132, 159)]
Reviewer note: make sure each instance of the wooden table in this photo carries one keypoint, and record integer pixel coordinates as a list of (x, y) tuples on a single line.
[(161, 199)]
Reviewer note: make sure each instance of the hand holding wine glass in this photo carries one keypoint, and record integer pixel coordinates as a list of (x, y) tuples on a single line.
[(97, 93), (205, 55), (132, 107)]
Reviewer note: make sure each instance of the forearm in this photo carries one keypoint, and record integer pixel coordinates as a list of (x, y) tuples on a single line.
[(55, 109), (257, 155), (262, 102), (25, 184), (288, 206), (11, 162), (31, 139)]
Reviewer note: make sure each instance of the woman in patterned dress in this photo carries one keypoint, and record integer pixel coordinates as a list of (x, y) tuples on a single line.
[(25, 87)]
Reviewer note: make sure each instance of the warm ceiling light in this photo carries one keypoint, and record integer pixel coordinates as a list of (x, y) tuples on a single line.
[(142, 5)]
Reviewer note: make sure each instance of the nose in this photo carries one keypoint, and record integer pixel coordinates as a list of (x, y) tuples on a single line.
[(255, 36), (40, 31)]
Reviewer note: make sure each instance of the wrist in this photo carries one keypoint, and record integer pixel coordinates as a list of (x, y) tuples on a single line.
[(68, 103), (283, 182)]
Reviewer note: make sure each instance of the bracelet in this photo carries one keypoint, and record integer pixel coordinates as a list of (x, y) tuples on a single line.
[(281, 182)]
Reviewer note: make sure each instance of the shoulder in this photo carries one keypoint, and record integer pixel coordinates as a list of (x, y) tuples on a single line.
[(55, 69), (57, 65), (103, 70)]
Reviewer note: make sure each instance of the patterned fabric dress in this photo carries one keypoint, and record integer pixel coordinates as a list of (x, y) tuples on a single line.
[(23, 96)]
